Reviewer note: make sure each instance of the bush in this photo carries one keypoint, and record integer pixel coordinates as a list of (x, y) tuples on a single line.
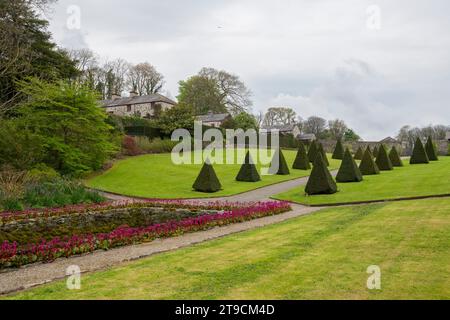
[(12, 188), (130, 147), (301, 160), (338, 153), (279, 165), (321, 150), (155, 146), (312, 152), (431, 150), (248, 172), (349, 171), (375, 152), (359, 154), (383, 162), (419, 154), (320, 181), (395, 157), (207, 180), (368, 166)]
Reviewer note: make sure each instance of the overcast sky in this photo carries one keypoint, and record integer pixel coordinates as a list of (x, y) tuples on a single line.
[(334, 59)]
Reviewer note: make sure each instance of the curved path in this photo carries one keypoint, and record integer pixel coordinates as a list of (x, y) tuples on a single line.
[(38, 274)]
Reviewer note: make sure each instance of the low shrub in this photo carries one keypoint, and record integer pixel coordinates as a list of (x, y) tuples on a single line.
[(320, 181), (157, 145), (248, 171), (130, 147), (207, 180)]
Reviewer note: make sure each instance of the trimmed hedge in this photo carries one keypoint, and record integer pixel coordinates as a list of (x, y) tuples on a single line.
[(349, 171), (359, 154), (320, 181), (368, 166), (207, 180), (279, 165), (321, 150), (312, 152), (395, 157), (419, 155), (375, 152), (430, 148), (383, 161), (248, 172), (301, 161), (339, 151)]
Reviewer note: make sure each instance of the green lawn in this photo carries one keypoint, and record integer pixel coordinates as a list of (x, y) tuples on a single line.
[(155, 176), (321, 256), (409, 181)]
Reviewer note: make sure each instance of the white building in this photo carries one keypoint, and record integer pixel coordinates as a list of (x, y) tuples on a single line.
[(149, 106)]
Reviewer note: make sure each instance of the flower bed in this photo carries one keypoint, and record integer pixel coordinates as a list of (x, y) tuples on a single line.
[(13, 254)]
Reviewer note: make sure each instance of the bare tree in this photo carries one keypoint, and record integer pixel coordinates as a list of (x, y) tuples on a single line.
[(315, 125), (85, 59), (145, 79), (233, 92), (279, 116)]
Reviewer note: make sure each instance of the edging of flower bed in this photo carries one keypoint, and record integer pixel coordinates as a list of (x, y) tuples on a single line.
[(13, 255)]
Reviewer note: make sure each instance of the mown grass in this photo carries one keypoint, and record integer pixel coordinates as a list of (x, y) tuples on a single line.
[(155, 176), (409, 181), (321, 256)]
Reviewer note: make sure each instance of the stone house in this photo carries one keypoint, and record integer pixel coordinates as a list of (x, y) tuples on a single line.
[(214, 120), (148, 106)]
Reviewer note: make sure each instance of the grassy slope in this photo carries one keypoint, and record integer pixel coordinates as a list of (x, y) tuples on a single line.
[(409, 181), (322, 256), (154, 176)]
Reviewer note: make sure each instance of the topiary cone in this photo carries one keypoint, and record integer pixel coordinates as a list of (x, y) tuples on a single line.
[(359, 154), (338, 153), (279, 165), (248, 172), (375, 152), (430, 148), (383, 161), (368, 166), (349, 171), (323, 153), (312, 152), (419, 154), (301, 160), (320, 181), (207, 180), (395, 158)]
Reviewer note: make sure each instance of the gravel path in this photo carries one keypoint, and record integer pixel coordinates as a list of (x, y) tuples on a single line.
[(38, 274)]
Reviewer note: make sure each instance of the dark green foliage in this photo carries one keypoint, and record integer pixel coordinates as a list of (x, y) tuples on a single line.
[(338, 153), (279, 165), (312, 152), (419, 154), (301, 161), (359, 154), (248, 172), (349, 171), (368, 165), (395, 157), (375, 152), (430, 148), (207, 180), (320, 181), (323, 153), (383, 161)]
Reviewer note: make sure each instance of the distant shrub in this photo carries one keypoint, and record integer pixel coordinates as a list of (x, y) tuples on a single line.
[(383, 161), (419, 154), (320, 181), (157, 145), (431, 150), (312, 152), (349, 171), (130, 147), (248, 172), (338, 153), (395, 157), (301, 160), (207, 180), (359, 154), (12, 188), (368, 165), (321, 150)]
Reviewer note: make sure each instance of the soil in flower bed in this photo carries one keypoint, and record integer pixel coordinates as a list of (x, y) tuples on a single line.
[(75, 238)]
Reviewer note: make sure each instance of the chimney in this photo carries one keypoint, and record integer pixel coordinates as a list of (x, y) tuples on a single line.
[(133, 94), (115, 96)]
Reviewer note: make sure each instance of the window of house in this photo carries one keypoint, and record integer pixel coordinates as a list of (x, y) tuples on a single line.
[(129, 108)]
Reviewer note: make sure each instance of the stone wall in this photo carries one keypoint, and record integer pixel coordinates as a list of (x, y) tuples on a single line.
[(443, 147), (144, 110)]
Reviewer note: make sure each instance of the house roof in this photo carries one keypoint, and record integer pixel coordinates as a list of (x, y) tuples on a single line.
[(136, 100), (211, 117), (285, 128), (308, 137)]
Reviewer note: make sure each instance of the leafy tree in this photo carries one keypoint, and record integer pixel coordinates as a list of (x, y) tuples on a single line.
[(178, 117), (419, 154), (67, 119), (368, 166), (320, 181), (383, 161), (349, 171), (395, 157), (207, 180), (145, 79), (248, 172), (350, 135), (245, 121), (337, 129), (27, 50), (430, 148), (202, 94), (301, 160), (315, 125), (278, 117), (338, 153)]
